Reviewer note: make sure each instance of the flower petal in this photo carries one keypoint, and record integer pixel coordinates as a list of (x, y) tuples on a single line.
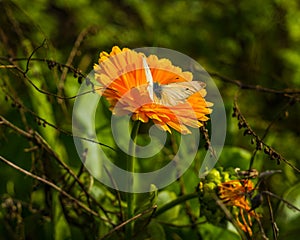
[(122, 73)]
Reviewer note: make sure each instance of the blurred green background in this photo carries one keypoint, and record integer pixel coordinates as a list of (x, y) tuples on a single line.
[(255, 42)]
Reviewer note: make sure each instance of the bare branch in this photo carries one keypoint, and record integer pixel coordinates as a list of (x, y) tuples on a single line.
[(61, 191), (260, 144), (128, 221), (241, 85)]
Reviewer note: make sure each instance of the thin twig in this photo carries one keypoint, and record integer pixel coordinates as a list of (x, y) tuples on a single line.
[(274, 225), (276, 117), (7, 66), (58, 96), (71, 57), (257, 88), (53, 186), (31, 55), (182, 226), (260, 144), (175, 202), (118, 195), (54, 126), (290, 205), (229, 216), (128, 221), (38, 139)]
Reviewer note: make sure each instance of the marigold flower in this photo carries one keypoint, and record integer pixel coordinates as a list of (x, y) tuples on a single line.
[(233, 193), (122, 74)]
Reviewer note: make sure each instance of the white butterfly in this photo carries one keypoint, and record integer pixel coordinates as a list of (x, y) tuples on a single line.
[(170, 94)]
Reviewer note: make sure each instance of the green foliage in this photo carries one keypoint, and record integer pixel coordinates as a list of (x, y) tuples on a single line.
[(287, 217), (242, 45)]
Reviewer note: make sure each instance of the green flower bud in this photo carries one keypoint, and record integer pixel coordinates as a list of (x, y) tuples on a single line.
[(214, 176)]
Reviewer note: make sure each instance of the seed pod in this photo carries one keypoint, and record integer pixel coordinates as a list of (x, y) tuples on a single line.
[(278, 161), (266, 150), (247, 132), (234, 114), (51, 64), (259, 145)]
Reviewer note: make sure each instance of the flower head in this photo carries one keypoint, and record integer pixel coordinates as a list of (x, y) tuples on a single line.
[(126, 87), (233, 193)]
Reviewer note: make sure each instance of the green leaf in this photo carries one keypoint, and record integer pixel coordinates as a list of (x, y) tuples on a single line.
[(156, 231), (287, 218), (45, 109), (235, 157), (145, 201), (216, 233), (60, 225), (148, 231), (165, 197)]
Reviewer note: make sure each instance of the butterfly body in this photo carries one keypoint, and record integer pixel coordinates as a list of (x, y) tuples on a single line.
[(170, 94), (157, 89)]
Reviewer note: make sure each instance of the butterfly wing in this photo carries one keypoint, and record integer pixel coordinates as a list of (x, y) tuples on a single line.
[(173, 93), (176, 93), (148, 78)]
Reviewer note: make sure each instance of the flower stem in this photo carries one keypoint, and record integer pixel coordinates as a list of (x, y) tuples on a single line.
[(130, 168)]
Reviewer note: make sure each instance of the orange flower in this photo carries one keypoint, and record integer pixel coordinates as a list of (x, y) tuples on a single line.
[(122, 74), (233, 193)]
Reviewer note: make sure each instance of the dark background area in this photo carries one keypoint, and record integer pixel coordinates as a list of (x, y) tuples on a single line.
[(250, 48)]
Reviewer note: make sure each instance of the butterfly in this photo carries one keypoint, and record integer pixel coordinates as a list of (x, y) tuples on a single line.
[(170, 94)]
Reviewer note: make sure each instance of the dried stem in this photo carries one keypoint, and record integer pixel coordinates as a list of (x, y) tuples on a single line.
[(61, 191)]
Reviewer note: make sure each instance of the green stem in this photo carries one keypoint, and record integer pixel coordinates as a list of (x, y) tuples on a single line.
[(130, 168), (177, 201)]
